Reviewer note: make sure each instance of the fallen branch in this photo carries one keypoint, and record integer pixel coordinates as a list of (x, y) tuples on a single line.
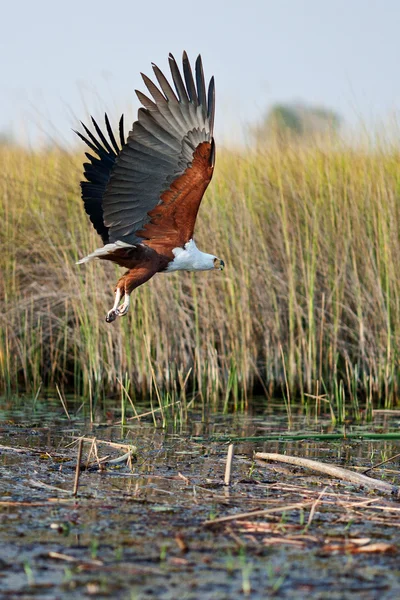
[(332, 471)]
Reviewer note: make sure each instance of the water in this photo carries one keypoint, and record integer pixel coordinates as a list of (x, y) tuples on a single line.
[(140, 533)]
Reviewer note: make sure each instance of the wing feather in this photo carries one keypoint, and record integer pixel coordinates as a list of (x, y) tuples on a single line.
[(98, 170), (178, 82), (211, 103), (161, 150), (187, 71), (111, 134), (109, 150), (201, 86), (164, 85)]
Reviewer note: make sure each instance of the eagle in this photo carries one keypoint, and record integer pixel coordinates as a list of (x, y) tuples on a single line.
[(143, 193)]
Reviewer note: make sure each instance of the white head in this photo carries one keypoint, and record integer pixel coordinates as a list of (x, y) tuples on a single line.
[(190, 258)]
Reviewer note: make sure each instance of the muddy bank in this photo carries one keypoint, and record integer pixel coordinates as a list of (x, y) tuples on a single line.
[(143, 530)]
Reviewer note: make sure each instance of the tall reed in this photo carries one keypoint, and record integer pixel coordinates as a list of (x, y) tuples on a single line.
[(309, 302)]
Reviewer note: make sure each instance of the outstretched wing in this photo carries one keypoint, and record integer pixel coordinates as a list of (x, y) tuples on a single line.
[(97, 171), (160, 176)]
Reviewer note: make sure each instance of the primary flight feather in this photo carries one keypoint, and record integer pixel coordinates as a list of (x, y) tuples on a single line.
[(143, 193)]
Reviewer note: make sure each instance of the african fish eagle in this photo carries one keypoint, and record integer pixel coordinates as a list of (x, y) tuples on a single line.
[(143, 194)]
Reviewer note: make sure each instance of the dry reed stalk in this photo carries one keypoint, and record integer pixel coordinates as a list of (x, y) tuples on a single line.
[(73, 559), (78, 467), (147, 414), (259, 513), (314, 507), (64, 405), (127, 447)]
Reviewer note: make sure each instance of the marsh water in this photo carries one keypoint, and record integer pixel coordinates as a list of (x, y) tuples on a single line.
[(142, 530)]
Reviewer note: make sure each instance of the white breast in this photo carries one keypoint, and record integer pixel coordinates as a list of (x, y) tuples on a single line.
[(190, 258)]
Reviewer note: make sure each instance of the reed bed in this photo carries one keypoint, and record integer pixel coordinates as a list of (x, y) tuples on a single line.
[(308, 305)]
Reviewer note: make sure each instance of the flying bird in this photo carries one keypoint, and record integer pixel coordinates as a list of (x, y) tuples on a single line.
[(143, 193)]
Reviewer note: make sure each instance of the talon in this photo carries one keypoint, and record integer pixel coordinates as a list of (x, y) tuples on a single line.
[(111, 315), (116, 311), (122, 311)]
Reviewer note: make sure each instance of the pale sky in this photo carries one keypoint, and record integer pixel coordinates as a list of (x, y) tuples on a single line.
[(63, 59)]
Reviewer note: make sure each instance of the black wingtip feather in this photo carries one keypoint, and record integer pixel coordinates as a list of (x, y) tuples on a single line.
[(211, 103), (187, 71), (102, 137), (111, 134), (201, 86), (121, 131), (97, 172)]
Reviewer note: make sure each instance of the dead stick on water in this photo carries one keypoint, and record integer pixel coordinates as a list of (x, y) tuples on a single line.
[(63, 403), (105, 442), (288, 405), (228, 468), (73, 559), (259, 513), (314, 507), (78, 467), (40, 484), (333, 471), (90, 453), (146, 414), (381, 463)]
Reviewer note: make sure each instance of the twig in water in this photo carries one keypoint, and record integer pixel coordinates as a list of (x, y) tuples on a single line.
[(288, 403), (129, 398), (90, 400), (314, 506), (40, 484), (333, 471), (153, 377), (228, 468), (90, 453), (120, 459), (72, 559), (381, 463), (258, 513), (63, 403), (146, 414), (78, 467), (37, 395), (105, 442)]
